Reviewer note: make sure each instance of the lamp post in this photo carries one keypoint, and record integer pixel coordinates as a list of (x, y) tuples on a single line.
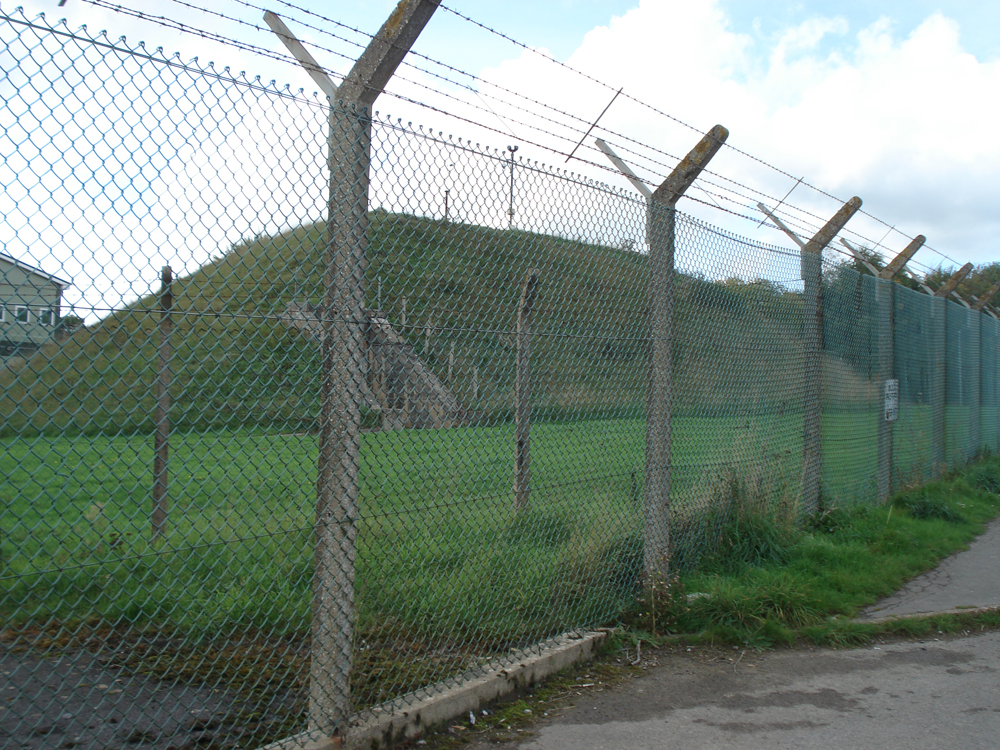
[(510, 211)]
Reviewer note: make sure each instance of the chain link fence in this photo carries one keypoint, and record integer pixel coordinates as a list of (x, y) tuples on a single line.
[(252, 487)]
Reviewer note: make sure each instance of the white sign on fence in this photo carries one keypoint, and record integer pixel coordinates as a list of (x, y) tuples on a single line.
[(891, 400)]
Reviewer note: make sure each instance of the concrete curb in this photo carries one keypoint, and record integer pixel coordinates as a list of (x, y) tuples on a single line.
[(928, 615), (385, 725)]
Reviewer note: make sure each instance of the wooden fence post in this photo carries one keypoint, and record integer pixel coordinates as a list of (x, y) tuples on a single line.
[(161, 436), (522, 393)]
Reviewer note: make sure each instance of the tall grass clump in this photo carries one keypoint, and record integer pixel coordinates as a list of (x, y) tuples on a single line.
[(740, 518)]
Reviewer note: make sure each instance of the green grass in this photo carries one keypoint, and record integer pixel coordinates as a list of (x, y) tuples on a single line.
[(782, 581)]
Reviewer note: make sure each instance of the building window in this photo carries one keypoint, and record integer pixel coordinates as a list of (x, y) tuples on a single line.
[(3, 314), (21, 314), (46, 317)]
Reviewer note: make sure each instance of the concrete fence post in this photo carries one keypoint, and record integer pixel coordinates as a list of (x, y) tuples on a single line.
[(886, 306), (661, 236), (342, 347), (812, 342)]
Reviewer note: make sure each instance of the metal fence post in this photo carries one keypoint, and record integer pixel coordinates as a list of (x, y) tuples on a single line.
[(161, 436), (522, 393)]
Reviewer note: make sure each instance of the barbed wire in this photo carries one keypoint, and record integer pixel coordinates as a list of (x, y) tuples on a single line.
[(677, 120), (644, 161), (577, 130)]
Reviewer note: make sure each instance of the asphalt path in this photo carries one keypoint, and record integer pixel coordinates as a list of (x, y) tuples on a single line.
[(939, 693), (966, 579), (926, 695)]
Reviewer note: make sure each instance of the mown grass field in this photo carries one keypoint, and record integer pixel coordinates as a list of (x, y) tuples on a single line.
[(435, 513)]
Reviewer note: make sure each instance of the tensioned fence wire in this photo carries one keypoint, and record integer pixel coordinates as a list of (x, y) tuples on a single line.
[(495, 291)]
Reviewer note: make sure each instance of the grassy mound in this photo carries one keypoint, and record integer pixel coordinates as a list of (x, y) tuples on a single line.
[(236, 364)]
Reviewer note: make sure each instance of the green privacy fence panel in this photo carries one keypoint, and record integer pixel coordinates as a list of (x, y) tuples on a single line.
[(961, 383), (918, 343), (851, 393), (288, 484)]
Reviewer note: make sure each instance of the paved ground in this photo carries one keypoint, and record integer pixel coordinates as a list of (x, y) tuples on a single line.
[(966, 579), (936, 694), (926, 695)]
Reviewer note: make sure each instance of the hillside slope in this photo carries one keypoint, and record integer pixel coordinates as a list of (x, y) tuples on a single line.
[(236, 365)]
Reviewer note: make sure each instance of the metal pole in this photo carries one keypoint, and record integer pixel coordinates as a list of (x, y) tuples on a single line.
[(522, 393), (510, 211), (161, 437)]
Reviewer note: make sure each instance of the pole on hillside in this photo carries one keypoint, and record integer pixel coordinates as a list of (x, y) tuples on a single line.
[(522, 393), (161, 435), (661, 236), (342, 373)]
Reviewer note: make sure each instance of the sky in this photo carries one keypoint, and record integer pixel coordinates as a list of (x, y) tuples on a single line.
[(895, 102)]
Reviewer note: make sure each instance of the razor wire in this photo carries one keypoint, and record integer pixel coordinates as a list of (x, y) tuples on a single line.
[(252, 489)]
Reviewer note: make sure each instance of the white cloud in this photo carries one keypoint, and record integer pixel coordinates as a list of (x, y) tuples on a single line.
[(904, 122)]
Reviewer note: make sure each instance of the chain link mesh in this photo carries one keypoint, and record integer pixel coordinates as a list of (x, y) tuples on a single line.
[(361, 442)]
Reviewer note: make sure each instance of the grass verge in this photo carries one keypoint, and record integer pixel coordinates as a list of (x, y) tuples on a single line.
[(770, 580)]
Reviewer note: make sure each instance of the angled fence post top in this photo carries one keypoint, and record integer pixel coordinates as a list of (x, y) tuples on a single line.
[(782, 226), (386, 51), (896, 264), (982, 301), (686, 172), (301, 55), (624, 169), (949, 286), (372, 71), (856, 252), (824, 236)]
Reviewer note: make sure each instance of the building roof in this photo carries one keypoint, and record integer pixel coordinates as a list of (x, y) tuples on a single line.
[(61, 283)]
